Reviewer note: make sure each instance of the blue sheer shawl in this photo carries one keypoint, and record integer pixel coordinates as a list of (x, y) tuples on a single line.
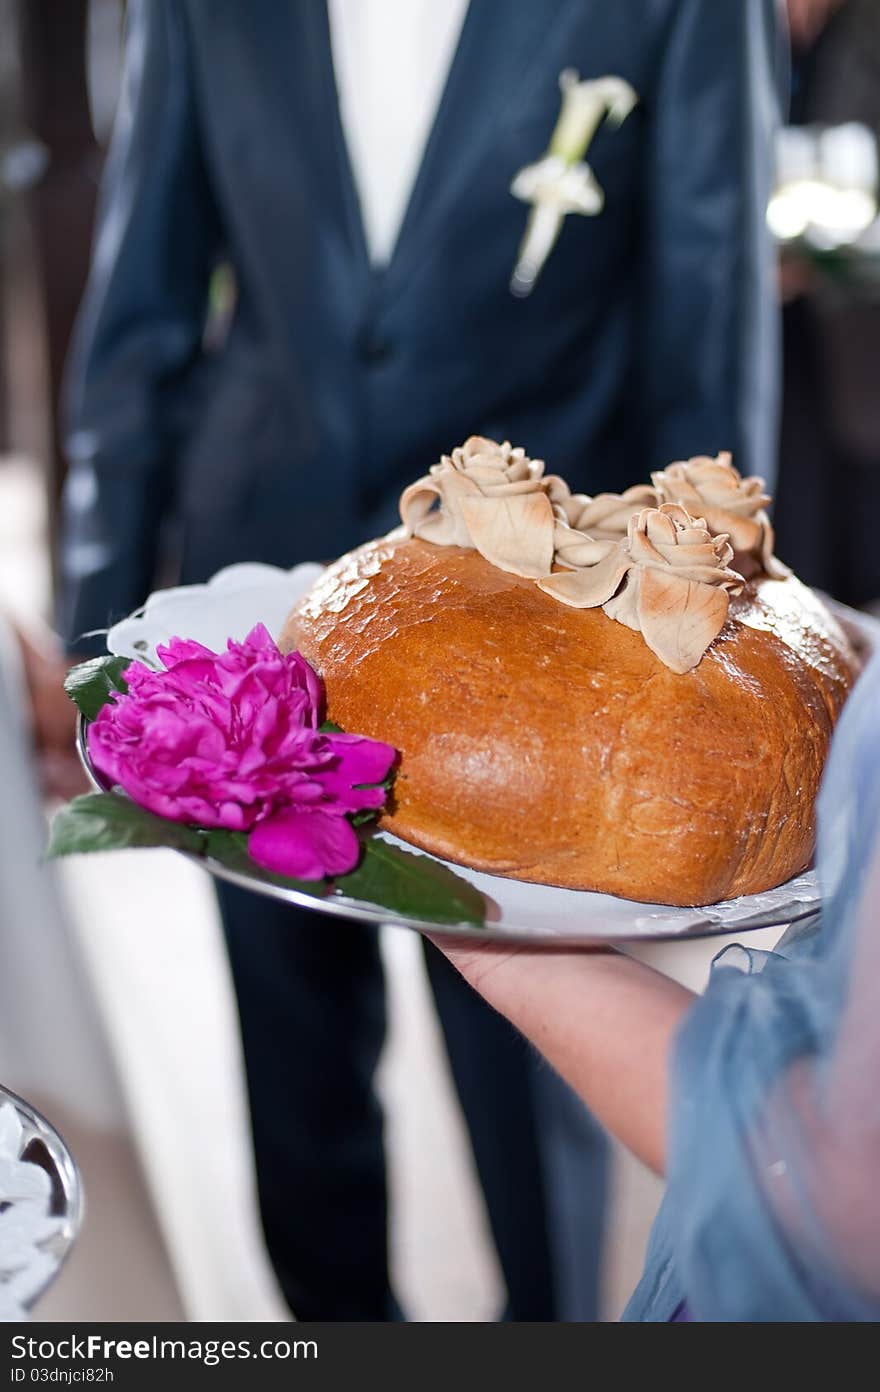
[(772, 1208)]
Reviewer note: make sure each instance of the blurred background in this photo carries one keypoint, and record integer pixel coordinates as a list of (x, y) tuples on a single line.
[(122, 1026)]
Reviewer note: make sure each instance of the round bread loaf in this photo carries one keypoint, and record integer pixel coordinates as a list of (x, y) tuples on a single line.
[(548, 743)]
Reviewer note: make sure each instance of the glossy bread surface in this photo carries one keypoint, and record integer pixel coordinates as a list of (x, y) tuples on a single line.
[(547, 743)]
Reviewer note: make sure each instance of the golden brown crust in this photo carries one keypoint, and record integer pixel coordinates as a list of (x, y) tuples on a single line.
[(550, 744)]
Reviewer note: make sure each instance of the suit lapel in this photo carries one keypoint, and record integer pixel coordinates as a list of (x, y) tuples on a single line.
[(328, 150), (500, 41)]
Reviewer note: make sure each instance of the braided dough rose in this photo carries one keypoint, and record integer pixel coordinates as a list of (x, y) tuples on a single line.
[(669, 579), (731, 505), (585, 525), (606, 517), (493, 499), (648, 563)]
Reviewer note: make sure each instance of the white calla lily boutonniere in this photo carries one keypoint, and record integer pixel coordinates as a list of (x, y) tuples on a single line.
[(562, 182)]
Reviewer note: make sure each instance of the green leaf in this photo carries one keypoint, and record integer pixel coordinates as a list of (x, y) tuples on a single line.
[(112, 822), (91, 684), (229, 848), (413, 885), (329, 728)]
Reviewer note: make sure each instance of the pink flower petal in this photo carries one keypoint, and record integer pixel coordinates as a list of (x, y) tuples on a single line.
[(259, 640), (357, 761), (231, 740), (308, 678), (362, 760), (305, 845), (181, 650)]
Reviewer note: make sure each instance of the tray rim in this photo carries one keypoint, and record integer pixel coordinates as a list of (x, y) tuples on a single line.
[(339, 906), (67, 1175)]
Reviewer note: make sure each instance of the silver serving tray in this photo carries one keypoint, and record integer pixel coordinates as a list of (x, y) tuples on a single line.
[(42, 1145), (540, 915)]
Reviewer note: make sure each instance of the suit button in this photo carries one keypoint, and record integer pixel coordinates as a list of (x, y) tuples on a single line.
[(374, 347)]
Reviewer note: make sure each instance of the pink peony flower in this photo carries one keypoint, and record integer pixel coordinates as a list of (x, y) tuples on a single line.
[(232, 740)]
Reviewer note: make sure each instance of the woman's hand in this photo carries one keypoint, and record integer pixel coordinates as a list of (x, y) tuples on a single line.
[(604, 1021), (52, 713), (807, 19)]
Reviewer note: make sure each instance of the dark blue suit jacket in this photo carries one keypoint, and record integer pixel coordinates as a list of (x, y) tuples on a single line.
[(651, 334)]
